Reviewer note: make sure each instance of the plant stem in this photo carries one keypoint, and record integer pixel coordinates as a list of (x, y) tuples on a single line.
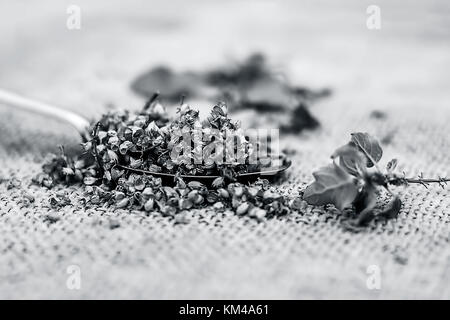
[(400, 180), (421, 181)]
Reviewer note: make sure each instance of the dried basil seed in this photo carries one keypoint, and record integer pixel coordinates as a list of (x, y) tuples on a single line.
[(242, 208)]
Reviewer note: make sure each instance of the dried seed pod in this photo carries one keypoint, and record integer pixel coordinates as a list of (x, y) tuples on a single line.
[(212, 197), (235, 202), (67, 171), (47, 182), (219, 206), (113, 140), (218, 182), (89, 190), (89, 181), (257, 213), (136, 132), (116, 174), (149, 205), (168, 210), (296, 204), (173, 202), (78, 175), (112, 133), (100, 148), (170, 192), (238, 191), (260, 214), (87, 146), (183, 192), (192, 195), (223, 193), (242, 208), (139, 123), (118, 196), (152, 127), (91, 172), (159, 195), (122, 203), (148, 193), (180, 184), (199, 199), (139, 184), (253, 191), (195, 185), (181, 218), (154, 168), (128, 134), (135, 163), (157, 182), (269, 195), (185, 204), (125, 146), (79, 164), (107, 175), (99, 191), (95, 199), (102, 135), (137, 197)]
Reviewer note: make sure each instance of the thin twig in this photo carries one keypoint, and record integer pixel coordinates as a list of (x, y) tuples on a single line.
[(151, 100), (420, 180), (94, 146)]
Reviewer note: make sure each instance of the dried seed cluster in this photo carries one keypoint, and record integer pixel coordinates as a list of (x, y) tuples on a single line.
[(146, 141), (140, 192), (143, 141)]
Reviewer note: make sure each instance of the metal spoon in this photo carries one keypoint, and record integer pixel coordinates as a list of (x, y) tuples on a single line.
[(81, 124), (78, 122)]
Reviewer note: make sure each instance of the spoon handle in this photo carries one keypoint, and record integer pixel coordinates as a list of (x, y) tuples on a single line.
[(78, 122)]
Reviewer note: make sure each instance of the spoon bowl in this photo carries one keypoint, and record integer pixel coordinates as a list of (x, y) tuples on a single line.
[(81, 124), (268, 173)]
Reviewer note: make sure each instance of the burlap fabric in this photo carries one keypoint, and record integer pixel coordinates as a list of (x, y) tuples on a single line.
[(125, 254)]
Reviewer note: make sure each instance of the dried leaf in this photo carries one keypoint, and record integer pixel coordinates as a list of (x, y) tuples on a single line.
[(364, 207), (392, 209), (350, 158), (390, 167), (369, 146), (333, 185), (172, 85), (301, 119)]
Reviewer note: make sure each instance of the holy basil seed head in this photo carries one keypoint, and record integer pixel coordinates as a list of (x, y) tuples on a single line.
[(144, 140)]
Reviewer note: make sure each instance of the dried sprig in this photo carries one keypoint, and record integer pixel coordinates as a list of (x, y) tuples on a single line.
[(355, 179)]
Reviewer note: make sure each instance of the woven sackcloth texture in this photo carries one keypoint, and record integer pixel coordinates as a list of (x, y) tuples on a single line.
[(400, 69), (305, 255)]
